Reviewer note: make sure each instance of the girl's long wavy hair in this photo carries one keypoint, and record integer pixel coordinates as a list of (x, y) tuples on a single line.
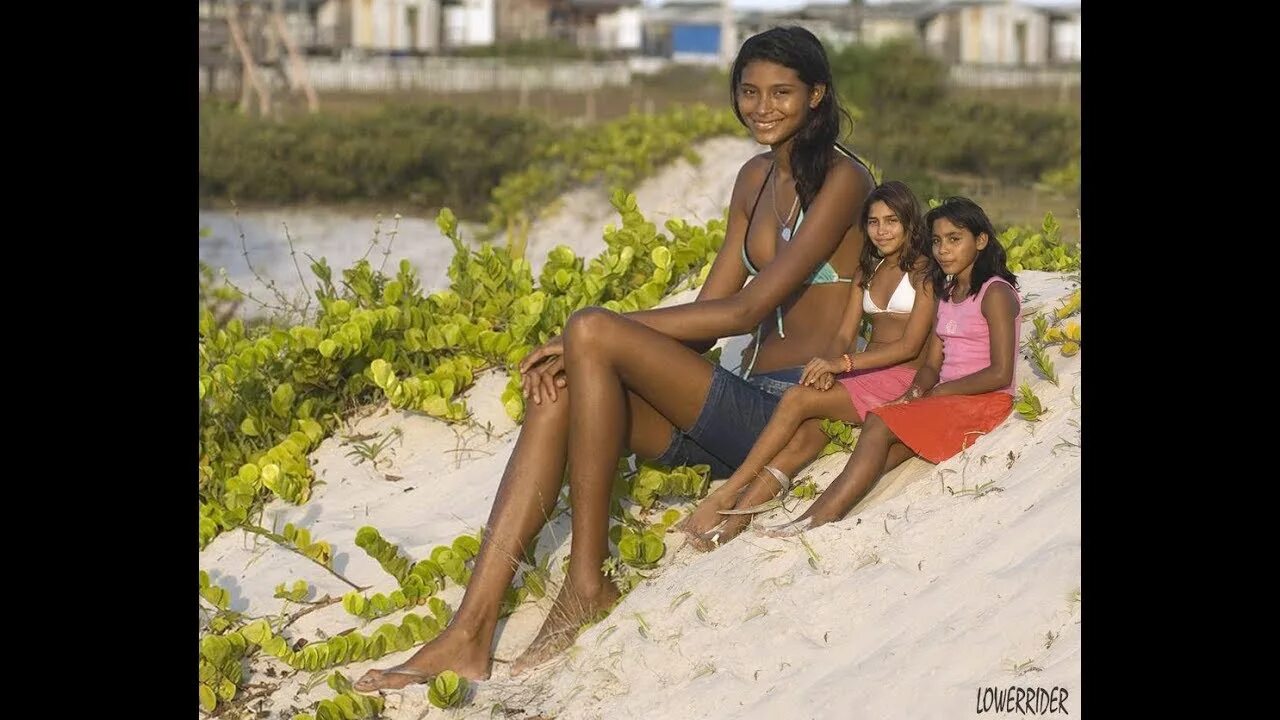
[(991, 261), (800, 50), (903, 203)]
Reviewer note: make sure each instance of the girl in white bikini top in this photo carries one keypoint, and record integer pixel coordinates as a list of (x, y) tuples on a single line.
[(900, 302)]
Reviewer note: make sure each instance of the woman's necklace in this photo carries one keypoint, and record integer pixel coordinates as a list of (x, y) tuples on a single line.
[(785, 225)]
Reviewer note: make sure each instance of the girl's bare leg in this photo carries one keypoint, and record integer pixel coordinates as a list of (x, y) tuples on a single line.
[(877, 452), (803, 448), (798, 404)]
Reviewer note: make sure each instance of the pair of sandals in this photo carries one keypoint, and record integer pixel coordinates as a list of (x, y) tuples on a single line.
[(780, 500)]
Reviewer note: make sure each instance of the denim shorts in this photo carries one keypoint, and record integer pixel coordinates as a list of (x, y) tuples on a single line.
[(733, 416)]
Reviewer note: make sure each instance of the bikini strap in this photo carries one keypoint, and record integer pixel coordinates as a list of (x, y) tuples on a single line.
[(759, 193)]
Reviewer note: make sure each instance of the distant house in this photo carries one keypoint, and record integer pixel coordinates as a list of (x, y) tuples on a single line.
[(1065, 35), (434, 26), (691, 31), (379, 26), (838, 25), (600, 24), (834, 25), (622, 29), (470, 23), (523, 20), (405, 26), (892, 21), (989, 32)]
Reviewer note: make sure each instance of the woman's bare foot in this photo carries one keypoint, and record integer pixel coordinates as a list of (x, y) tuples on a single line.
[(573, 608), (455, 649)]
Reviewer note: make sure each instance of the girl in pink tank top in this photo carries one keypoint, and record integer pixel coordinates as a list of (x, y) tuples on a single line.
[(965, 387)]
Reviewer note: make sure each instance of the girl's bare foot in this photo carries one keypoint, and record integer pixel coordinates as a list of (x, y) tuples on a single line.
[(707, 515), (754, 499), (731, 528), (791, 529)]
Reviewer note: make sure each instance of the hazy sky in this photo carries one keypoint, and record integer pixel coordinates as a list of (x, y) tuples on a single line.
[(789, 4)]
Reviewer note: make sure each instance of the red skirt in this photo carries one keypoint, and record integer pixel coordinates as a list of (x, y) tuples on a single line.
[(937, 428)]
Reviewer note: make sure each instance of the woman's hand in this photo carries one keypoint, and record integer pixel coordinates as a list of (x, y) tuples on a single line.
[(817, 368), (542, 371)]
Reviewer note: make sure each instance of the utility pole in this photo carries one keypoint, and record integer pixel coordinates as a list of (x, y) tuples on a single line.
[(728, 33)]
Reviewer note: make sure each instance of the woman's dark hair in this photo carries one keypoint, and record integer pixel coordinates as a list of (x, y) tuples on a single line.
[(903, 203), (966, 214), (800, 50)]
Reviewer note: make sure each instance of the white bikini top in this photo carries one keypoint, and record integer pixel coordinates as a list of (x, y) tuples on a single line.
[(900, 302)]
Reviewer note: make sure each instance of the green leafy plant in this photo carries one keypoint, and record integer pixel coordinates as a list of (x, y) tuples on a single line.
[(221, 670), (418, 581), (1054, 330), (1028, 249), (382, 336), (652, 481), (346, 704), (1028, 405), (641, 549), (363, 450), (298, 593), (388, 556), (447, 690), (1064, 180), (350, 646), (806, 489), (1044, 364), (216, 595), (1069, 307), (841, 437)]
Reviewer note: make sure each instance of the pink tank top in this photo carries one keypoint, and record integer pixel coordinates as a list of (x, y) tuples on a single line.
[(966, 339)]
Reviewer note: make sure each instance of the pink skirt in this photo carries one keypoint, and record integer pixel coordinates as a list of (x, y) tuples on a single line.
[(869, 389)]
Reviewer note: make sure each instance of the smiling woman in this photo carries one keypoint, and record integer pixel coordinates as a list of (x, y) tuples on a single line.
[(615, 383)]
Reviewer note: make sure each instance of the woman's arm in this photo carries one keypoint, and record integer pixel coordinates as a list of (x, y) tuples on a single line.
[(715, 316), (1000, 308), (820, 371), (847, 334)]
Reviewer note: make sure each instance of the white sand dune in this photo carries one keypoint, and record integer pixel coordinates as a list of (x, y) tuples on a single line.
[(921, 597)]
